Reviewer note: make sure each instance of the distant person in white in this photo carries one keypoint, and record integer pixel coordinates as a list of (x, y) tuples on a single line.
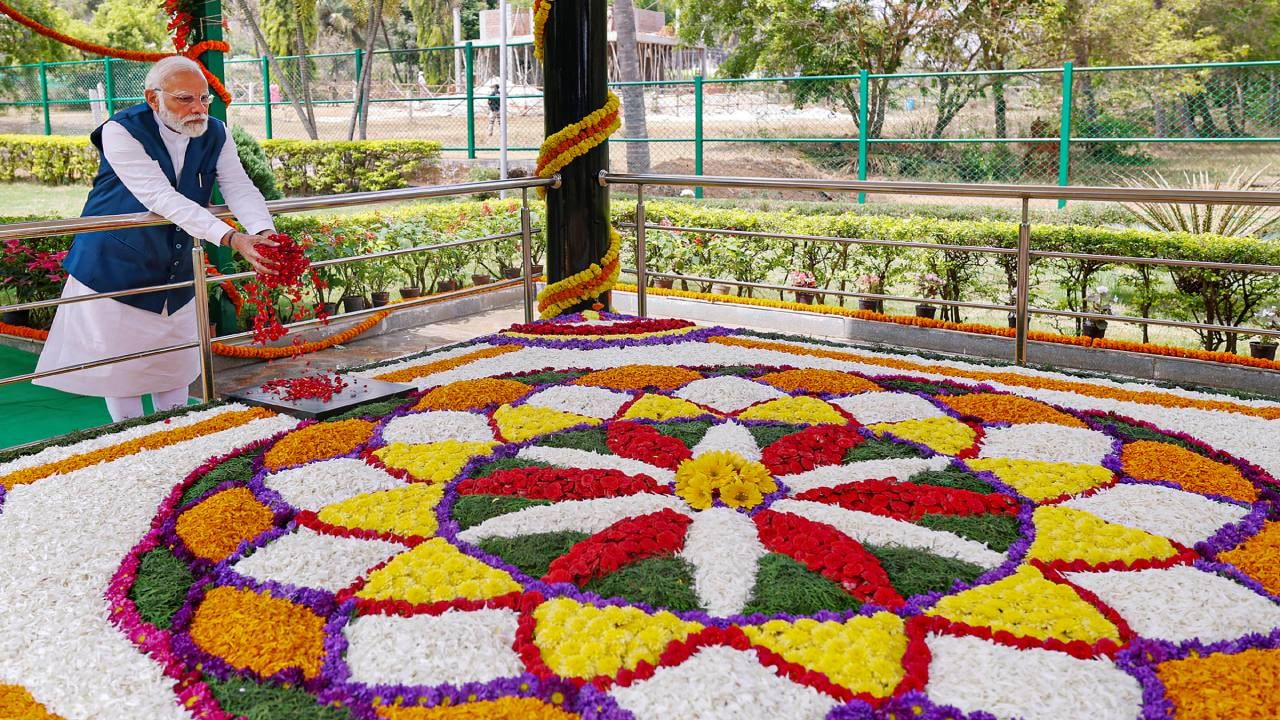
[(164, 157)]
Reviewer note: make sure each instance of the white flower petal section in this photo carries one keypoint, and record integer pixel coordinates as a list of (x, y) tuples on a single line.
[(723, 547), (308, 559), (729, 436), (833, 475), (314, 486), (1048, 442), (1033, 684), (727, 393), (587, 460), (455, 647), (581, 400), (878, 407), (438, 426), (1192, 604), (586, 516), (55, 636), (721, 683), (877, 530), (1182, 516)]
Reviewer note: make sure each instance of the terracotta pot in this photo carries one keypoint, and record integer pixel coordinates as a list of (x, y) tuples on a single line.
[(410, 292), (536, 269), (510, 273), (1093, 328), (871, 305), (664, 283), (805, 298), (481, 279), (329, 308), (1262, 352), (353, 303), (926, 310), (17, 317), (721, 289), (447, 285)]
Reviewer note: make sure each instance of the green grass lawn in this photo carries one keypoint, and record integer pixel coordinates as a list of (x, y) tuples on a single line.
[(35, 199)]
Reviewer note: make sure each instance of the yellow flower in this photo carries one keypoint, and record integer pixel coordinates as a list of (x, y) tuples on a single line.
[(740, 495), (741, 483)]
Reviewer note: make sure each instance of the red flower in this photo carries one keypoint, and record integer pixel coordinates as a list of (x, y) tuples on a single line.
[(810, 448)]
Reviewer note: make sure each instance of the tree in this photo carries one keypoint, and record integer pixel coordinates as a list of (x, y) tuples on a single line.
[(300, 106), (634, 127), (130, 25), (20, 46)]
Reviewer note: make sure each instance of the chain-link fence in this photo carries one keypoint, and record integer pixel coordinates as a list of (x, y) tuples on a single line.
[(1081, 126)]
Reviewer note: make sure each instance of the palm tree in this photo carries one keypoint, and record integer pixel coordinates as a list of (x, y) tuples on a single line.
[(633, 128)]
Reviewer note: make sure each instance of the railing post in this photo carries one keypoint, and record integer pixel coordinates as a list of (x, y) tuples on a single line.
[(109, 83), (864, 95), (44, 98), (1022, 292), (266, 95), (359, 57), (526, 253), (202, 321), (697, 133), (471, 100), (1064, 130), (642, 271)]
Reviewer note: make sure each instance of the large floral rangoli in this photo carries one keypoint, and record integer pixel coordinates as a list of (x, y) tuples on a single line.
[(606, 517)]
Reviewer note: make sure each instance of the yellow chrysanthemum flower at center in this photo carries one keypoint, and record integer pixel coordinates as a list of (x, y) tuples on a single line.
[(737, 481)]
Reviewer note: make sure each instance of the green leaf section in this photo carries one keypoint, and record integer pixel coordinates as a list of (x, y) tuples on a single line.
[(690, 432), (932, 388), (914, 572), (238, 469), (767, 435), (1137, 432), (875, 449), (664, 582), (506, 464), (471, 510), (160, 587), (373, 410), (248, 699), (533, 554), (544, 378), (953, 477), (592, 440), (997, 532), (747, 371), (784, 585)]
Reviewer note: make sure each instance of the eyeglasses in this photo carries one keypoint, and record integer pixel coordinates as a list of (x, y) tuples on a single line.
[(185, 99)]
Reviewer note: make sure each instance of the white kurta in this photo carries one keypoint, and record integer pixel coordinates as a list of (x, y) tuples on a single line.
[(99, 329)]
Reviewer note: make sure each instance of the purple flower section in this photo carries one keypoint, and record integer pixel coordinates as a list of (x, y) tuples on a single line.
[(913, 705), (2, 493), (334, 668), (1142, 658), (1234, 573), (587, 701), (570, 342), (1229, 536)]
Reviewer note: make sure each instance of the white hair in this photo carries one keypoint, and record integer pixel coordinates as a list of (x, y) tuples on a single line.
[(168, 67)]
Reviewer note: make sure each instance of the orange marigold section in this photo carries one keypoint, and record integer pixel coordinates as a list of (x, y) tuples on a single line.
[(507, 708), (1151, 460), (991, 407), (638, 377), (18, 704), (318, 442), (1213, 687), (215, 528), (153, 441), (818, 381), (1259, 557), (473, 394), (258, 632), (417, 371)]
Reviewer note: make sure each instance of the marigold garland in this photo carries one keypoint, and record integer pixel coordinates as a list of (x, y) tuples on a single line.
[(596, 280)]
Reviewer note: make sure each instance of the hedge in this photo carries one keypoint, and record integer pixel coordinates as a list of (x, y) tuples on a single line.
[(48, 159), (323, 167)]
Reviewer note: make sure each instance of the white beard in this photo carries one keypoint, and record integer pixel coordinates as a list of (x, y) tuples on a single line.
[(192, 127)]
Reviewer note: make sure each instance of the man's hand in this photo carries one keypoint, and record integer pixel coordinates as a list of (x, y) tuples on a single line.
[(246, 246)]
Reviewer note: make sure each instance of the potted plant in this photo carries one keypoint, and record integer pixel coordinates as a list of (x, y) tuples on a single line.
[(802, 279), (928, 286), (1097, 300), (30, 271), (872, 284), (1264, 348)]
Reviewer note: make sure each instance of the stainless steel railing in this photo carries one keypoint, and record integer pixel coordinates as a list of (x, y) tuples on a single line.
[(1024, 254), (202, 279)]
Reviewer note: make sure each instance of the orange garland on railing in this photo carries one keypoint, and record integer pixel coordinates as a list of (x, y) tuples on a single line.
[(192, 52)]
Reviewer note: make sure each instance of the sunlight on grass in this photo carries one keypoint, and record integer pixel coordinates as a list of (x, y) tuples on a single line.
[(36, 199)]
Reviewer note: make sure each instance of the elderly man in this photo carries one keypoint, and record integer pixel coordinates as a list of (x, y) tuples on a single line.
[(163, 156)]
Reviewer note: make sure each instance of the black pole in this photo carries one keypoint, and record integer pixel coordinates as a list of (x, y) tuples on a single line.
[(576, 59)]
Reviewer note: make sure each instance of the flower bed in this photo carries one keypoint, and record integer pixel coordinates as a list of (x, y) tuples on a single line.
[(610, 517)]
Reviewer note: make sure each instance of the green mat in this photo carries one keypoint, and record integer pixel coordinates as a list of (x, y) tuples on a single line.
[(29, 413)]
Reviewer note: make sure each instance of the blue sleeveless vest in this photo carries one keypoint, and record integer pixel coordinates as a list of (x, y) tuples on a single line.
[(137, 257)]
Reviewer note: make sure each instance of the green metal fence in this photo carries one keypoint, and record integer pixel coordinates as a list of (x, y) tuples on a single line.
[(1064, 125)]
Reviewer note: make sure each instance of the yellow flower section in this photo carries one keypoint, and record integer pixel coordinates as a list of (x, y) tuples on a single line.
[(1256, 557), (818, 381), (940, 434), (661, 407), (597, 279), (214, 529), (639, 377), (1042, 480), (259, 632), (1027, 604), (473, 394), (620, 336), (1224, 687), (18, 704), (318, 442), (863, 654), (433, 462), (1064, 533), (583, 641), (507, 708), (992, 407), (801, 410), (435, 571), (525, 422), (1151, 460), (741, 483), (407, 511)]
